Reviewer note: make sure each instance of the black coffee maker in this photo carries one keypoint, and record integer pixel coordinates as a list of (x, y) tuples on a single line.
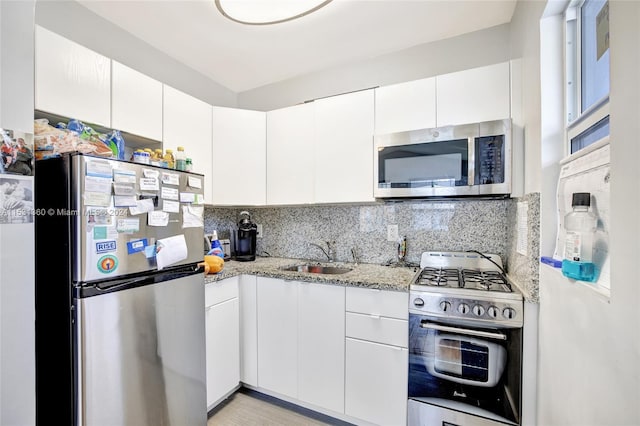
[(245, 242)]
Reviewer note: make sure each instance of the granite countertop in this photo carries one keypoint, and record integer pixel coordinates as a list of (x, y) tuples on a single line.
[(362, 275)]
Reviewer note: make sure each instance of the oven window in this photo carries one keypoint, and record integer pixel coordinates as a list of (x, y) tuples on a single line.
[(459, 358), (433, 164)]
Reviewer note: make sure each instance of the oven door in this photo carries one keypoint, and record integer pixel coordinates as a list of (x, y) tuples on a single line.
[(464, 369)]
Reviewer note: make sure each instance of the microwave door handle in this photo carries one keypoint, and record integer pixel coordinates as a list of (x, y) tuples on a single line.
[(471, 160), (478, 333)]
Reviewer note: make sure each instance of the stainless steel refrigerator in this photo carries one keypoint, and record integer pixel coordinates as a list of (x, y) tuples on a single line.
[(120, 315)]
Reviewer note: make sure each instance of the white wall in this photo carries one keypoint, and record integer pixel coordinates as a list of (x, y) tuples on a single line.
[(589, 350), (470, 50), (17, 313), (77, 23)]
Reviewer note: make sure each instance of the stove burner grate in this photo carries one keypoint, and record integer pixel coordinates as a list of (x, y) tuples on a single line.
[(485, 280), (439, 277)]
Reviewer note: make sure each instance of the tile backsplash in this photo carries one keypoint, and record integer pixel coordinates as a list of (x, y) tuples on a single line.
[(524, 268), (455, 225)]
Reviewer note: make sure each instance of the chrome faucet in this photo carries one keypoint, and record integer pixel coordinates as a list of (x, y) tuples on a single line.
[(354, 253), (330, 252)]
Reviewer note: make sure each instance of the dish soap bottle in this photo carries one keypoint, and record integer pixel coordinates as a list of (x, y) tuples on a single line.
[(216, 247), (580, 226)]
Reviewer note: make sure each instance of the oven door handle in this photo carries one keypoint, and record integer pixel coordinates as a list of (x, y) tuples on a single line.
[(478, 333)]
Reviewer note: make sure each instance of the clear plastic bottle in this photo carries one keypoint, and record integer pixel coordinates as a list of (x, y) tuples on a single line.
[(168, 157), (181, 159), (189, 165), (580, 226)]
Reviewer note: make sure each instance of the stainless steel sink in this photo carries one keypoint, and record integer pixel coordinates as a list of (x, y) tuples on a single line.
[(317, 269)]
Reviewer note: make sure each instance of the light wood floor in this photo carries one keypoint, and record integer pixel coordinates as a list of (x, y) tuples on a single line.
[(247, 408)]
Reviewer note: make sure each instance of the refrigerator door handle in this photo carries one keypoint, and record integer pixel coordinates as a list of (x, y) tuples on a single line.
[(127, 283)]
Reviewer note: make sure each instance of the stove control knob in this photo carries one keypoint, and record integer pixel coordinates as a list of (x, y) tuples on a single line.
[(445, 306), (478, 310), (463, 308), (418, 302), (493, 311), (509, 313)]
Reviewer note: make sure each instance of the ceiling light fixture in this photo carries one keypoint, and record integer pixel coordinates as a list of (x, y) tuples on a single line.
[(266, 12)]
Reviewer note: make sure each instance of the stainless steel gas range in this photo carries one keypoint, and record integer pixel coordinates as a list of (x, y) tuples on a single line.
[(465, 342)]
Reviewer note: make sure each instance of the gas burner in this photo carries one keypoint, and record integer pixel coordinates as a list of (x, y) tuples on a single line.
[(439, 277), (485, 280)]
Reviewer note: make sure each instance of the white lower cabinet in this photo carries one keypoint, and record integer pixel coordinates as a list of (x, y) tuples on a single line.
[(222, 339), (321, 345), (278, 335), (301, 341), (377, 358), (248, 330), (376, 382)]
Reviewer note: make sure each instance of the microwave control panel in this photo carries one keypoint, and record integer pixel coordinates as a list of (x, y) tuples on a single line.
[(489, 160)]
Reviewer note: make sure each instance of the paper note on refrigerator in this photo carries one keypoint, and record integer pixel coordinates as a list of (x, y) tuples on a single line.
[(142, 206), (187, 197), (193, 216), (101, 168), (170, 179), (171, 250), (100, 199), (158, 218), (194, 182), (125, 200), (124, 176), (97, 184), (170, 206), (149, 184), (169, 193)]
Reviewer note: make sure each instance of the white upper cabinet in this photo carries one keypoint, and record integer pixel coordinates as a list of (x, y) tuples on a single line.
[(136, 102), (406, 106), (239, 157), (71, 80), (344, 148), (187, 122), (290, 159), (474, 95)]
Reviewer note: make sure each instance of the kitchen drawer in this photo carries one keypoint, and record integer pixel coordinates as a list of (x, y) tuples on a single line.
[(392, 304), (220, 291), (378, 329)]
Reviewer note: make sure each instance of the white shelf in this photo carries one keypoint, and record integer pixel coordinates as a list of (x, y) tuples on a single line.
[(131, 141)]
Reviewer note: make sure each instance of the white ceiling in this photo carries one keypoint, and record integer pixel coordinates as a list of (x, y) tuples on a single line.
[(243, 57)]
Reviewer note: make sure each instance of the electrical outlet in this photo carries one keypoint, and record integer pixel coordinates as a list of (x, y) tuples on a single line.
[(259, 230), (392, 232)]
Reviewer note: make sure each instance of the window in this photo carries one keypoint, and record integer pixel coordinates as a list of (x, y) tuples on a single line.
[(587, 72)]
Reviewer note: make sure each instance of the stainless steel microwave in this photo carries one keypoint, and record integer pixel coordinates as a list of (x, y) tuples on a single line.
[(463, 160)]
